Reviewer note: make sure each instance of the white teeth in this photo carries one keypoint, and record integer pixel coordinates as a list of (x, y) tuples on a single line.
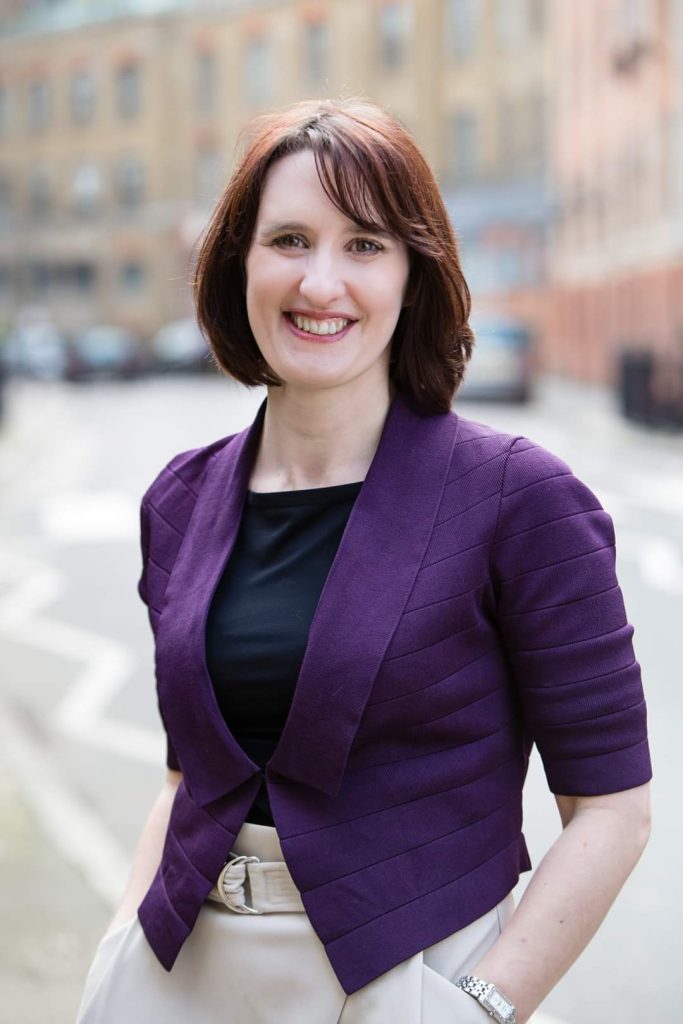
[(319, 326)]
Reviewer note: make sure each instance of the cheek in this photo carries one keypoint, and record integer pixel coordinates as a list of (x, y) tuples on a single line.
[(386, 292), (267, 284)]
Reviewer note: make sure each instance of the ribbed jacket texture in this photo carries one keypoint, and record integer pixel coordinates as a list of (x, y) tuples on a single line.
[(472, 609)]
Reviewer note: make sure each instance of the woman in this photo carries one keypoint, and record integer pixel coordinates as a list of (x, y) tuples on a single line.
[(366, 609)]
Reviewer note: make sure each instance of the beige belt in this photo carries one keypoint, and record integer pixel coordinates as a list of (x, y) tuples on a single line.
[(271, 887)]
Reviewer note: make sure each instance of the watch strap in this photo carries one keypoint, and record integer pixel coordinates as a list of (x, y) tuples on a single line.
[(483, 991)]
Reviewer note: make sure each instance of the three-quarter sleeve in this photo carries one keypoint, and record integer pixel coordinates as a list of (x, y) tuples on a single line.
[(563, 623), (143, 590)]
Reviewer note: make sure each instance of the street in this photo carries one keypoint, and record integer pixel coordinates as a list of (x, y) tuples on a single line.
[(81, 752)]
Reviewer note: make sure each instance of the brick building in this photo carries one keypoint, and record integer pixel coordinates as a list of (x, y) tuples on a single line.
[(616, 255), (118, 122)]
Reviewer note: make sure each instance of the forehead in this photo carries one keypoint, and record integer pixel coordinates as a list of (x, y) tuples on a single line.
[(293, 188), (289, 176)]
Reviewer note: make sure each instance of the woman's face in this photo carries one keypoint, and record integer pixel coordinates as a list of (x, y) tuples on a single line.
[(323, 295)]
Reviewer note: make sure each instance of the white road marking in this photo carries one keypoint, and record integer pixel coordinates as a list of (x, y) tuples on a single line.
[(89, 516), (658, 558), (81, 713), (34, 463), (71, 828), (660, 493)]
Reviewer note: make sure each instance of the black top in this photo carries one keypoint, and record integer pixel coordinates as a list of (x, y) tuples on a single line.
[(262, 610)]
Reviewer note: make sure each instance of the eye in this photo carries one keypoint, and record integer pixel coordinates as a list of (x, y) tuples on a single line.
[(367, 246), (288, 241)]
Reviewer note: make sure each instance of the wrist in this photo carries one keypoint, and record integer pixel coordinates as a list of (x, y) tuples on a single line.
[(494, 1002)]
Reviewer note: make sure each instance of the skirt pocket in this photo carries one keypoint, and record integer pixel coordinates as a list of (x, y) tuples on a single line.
[(102, 962), (443, 1003), (446, 961), (421, 989)]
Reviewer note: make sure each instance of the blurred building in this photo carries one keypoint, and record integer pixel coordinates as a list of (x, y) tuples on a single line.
[(617, 244), (495, 90), (118, 122)]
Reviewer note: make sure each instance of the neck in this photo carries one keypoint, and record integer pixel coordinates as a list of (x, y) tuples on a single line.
[(319, 438)]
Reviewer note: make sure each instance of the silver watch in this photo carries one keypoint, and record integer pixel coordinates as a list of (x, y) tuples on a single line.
[(491, 998)]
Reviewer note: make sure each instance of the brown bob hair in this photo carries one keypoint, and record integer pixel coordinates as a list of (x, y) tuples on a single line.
[(374, 173)]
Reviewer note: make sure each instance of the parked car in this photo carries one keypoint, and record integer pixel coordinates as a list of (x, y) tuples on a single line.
[(104, 351), (3, 385), (501, 368), (35, 350), (180, 346)]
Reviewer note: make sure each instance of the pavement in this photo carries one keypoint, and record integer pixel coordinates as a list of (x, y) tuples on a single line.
[(51, 922), (54, 907)]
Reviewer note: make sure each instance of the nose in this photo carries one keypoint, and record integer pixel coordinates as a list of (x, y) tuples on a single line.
[(323, 281)]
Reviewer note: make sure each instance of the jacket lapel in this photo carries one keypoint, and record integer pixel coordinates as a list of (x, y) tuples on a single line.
[(364, 594), (212, 760)]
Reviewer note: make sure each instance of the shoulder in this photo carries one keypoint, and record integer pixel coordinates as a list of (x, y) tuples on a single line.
[(519, 458), (527, 476), (181, 478)]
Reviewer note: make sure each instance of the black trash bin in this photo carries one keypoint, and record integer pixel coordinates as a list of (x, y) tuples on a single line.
[(651, 388), (635, 375), (3, 381), (666, 392)]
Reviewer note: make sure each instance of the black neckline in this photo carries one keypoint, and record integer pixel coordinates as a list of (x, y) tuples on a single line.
[(305, 496)]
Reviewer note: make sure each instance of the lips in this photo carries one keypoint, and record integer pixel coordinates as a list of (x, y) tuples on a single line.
[(319, 329)]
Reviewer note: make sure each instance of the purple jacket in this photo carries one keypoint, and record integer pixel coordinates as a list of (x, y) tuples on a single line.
[(472, 609)]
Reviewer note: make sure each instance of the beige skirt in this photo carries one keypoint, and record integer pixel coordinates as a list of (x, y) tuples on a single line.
[(259, 969)]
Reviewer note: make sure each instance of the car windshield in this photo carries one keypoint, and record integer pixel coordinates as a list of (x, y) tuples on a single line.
[(105, 345)]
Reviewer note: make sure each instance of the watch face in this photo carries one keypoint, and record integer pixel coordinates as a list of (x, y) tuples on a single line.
[(500, 1004)]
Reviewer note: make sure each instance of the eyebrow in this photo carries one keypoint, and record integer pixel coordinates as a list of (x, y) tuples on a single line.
[(276, 229)]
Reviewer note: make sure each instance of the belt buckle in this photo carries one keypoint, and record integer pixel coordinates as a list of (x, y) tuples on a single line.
[(238, 908)]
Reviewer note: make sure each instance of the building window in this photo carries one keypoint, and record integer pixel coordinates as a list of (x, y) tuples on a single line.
[(39, 104), (206, 82), (82, 96), (522, 135), (38, 277), (5, 202), (68, 278), (129, 89), (39, 193), (671, 171), (86, 190), (633, 33), (537, 16), (259, 71), (317, 51), (395, 25), (511, 22), (132, 276), (634, 18), (4, 109), (130, 183), (461, 27), (207, 174), (79, 277), (84, 276), (510, 136), (464, 160), (537, 114), (5, 195)]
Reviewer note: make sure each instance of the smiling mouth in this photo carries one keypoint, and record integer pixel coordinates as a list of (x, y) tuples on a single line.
[(320, 328)]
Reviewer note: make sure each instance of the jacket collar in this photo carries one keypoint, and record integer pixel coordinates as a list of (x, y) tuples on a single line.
[(368, 585)]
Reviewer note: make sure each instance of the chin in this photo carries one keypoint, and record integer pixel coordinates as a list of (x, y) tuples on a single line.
[(305, 376)]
